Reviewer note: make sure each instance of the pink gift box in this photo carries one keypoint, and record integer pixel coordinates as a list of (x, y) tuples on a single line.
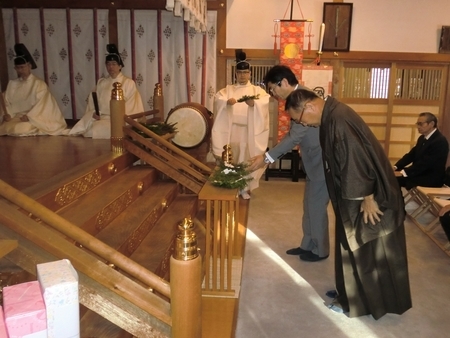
[(25, 315), (3, 333)]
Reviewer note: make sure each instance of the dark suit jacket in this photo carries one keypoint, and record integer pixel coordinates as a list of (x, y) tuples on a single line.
[(425, 163)]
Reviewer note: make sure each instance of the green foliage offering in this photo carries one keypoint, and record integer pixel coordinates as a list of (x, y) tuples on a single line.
[(248, 97), (230, 176), (159, 128)]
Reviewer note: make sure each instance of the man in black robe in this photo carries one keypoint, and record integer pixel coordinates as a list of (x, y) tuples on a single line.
[(371, 266)]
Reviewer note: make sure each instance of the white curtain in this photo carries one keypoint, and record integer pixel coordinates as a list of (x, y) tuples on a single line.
[(156, 46), (193, 11)]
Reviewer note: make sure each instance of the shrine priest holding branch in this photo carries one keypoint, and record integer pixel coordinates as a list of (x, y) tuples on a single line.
[(241, 119)]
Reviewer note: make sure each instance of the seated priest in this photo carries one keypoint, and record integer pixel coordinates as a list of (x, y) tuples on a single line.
[(30, 107), (98, 124)]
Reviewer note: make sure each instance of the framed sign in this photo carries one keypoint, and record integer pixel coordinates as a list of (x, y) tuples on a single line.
[(444, 42), (337, 17)]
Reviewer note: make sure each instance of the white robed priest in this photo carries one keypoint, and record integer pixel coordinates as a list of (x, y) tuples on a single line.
[(30, 107), (98, 126), (241, 119)]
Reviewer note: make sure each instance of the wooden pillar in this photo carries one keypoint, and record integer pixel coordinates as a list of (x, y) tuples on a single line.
[(112, 27), (3, 57), (158, 101), (117, 109), (185, 284)]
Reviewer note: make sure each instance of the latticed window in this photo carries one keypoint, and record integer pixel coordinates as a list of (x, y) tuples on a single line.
[(418, 84), (374, 81), (366, 82)]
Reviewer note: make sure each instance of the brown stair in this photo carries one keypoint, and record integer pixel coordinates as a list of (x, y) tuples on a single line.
[(132, 208), (115, 218)]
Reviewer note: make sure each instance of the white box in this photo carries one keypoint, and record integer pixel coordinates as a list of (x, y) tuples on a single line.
[(59, 285)]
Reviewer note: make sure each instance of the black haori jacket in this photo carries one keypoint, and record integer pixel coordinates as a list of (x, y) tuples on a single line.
[(356, 166)]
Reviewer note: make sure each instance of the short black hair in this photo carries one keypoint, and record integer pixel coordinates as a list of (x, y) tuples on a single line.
[(430, 117), (298, 98), (278, 73)]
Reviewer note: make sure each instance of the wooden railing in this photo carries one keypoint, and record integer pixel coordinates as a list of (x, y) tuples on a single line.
[(223, 236), (33, 226), (87, 241), (157, 151), (223, 254)]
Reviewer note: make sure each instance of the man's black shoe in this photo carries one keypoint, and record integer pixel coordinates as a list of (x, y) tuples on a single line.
[(297, 251), (311, 257), (331, 293)]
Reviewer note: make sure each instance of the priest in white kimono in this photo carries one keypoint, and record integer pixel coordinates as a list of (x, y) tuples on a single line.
[(241, 119), (29, 107), (97, 124)]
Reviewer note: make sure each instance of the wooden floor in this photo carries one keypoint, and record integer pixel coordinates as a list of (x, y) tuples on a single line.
[(25, 161), (28, 161)]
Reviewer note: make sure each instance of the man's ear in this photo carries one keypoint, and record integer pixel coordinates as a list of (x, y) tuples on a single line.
[(309, 105)]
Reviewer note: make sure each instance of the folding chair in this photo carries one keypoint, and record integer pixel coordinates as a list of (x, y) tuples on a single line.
[(444, 206), (424, 196)]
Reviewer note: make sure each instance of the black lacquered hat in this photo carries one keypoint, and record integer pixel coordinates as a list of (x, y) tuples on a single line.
[(113, 54), (241, 60), (23, 56)]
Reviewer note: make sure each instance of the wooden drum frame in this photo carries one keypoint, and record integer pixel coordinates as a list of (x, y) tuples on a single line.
[(193, 123)]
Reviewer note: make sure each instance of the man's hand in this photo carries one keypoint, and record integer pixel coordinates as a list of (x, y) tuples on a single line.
[(95, 116), (256, 162), (398, 174), (231, 101), (370, 210), (250, 102), (24, 118)]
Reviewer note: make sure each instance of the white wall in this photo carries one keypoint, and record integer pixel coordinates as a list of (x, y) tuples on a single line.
[(377, 25)]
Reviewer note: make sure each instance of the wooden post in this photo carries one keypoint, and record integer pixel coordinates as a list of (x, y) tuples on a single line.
[(117, 108), (185, 284), (158, 101)]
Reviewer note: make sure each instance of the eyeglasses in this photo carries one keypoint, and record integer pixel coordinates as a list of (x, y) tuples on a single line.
[(420, 124), (273, 88), (299, 120)]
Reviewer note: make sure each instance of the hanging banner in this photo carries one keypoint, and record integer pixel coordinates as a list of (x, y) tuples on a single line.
[(292, 34)]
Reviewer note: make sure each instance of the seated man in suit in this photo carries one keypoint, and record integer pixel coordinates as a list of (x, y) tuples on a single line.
[(424, 165), (30, 109)]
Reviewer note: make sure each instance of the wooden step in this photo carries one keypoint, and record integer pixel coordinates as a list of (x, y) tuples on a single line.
[(94, 325), (126, 232), (94, 211), (69, 185), (155, 249)]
